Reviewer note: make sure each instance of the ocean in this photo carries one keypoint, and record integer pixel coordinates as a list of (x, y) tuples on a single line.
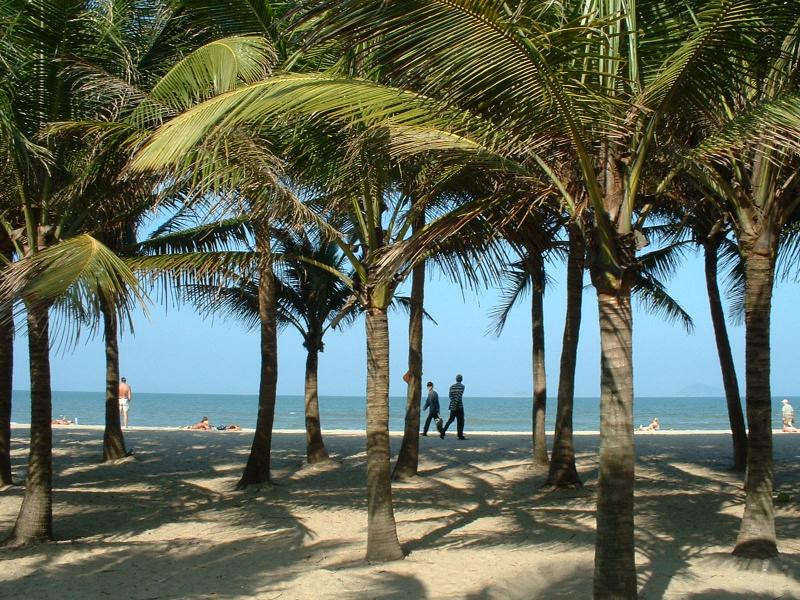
[(348, 412)]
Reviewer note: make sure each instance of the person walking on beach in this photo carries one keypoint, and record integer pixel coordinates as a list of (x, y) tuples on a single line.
[(787, 413), (432, 405), (456, 408), (125, 395)]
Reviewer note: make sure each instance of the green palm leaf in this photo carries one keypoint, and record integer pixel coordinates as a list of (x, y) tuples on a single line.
[(300, 96), (654, 298), (82, 267)]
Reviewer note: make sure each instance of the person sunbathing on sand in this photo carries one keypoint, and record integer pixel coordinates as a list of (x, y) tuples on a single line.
[(654, 425), (203, 424), (228, 428), (61, 421)]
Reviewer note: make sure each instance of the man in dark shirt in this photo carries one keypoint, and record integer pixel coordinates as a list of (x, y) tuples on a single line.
[(456, 408), (432, 403)]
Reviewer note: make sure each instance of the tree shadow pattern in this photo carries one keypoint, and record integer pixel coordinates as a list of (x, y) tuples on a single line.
[(470, 500)]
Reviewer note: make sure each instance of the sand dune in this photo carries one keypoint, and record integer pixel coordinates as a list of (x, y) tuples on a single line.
[(167, 523)]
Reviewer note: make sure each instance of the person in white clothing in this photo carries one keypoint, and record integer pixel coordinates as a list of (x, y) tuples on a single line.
[(125, 396)]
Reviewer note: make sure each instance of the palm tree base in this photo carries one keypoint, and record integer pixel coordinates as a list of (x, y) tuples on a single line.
[(244, 483), (403, 475), (385, 554), (565, 480), (320, 455), (112, 451), (12, 542), (756, 549), (539, 461)]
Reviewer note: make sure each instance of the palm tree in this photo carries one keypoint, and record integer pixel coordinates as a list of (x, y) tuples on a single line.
[(748, 165), (408, 457), (214, 255), (148, 91), (633, 84), (40, 39), (563, 470), (711, 244), (679, 69), (48, 203), (6, 380), (309, 299), (312, 300), (372, 218), (422, 181), (529, 272), (85, 272), (10, 137), (146, 39), (708, 228)]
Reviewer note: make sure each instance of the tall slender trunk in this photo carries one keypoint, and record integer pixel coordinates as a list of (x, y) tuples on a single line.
[(6, 387), (382, 542), (731, 385), (408, 459), (315, 446), (257, 470), (613, 271), (35, 520), (614, 566), (536, 269), (113, 440), (563, 472), (757, 533)]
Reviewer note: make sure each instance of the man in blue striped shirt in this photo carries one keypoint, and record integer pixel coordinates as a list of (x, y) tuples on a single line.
[(456, 408)]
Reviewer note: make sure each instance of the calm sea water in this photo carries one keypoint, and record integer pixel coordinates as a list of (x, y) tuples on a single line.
[(348, 412)]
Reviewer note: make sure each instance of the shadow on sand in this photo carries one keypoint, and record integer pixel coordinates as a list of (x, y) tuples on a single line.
[(169, 524)]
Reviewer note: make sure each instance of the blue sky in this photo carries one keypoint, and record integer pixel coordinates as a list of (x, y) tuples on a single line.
[(176, 351)]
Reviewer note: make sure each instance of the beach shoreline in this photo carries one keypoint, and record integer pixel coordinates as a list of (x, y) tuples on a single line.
[(394, 433), (168, 523)]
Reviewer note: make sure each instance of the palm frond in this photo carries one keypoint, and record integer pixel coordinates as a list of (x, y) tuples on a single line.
[(772, 125), (788, 261), (226, 234), (404, 303), (654, 298), (81, 267), (213, 69), (665, 262), (516, 283), (731, 261), (304, 96)]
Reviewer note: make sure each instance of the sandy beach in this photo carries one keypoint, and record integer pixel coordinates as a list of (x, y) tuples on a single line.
[(166, 523)]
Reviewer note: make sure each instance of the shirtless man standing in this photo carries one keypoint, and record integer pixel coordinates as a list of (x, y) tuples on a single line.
[(125, 396)]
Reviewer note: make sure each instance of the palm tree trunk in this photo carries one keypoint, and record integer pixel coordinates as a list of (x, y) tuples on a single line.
[(757, 534), (614, 566), (315, 446), (536, 269), (563, 472), (408, 459), (257, 470), (382, 542), (6, 387), (35, 520), (738, 431), (113, 440)]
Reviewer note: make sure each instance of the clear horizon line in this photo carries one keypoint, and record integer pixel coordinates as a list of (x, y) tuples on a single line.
[(300, 395)]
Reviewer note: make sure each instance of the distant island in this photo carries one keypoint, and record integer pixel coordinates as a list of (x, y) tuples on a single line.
[(700, 389)]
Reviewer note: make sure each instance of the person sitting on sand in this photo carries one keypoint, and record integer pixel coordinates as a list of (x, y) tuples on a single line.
[(203, 424), (61, 421), (654, 425)]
